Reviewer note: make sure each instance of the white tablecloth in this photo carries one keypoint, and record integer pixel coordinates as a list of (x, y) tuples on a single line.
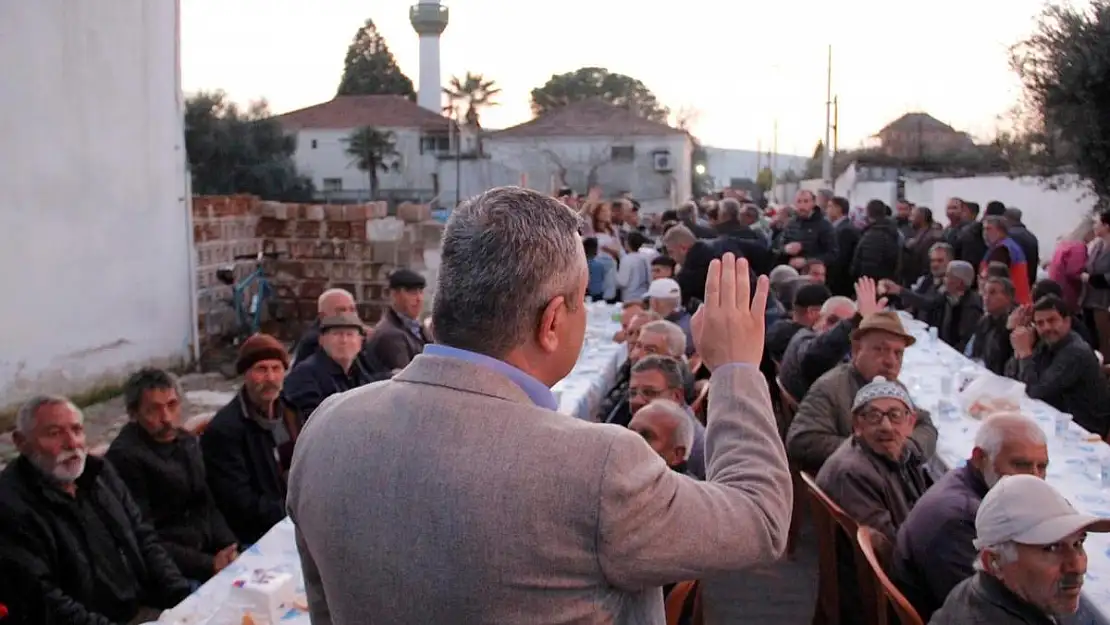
[(579, 395), (1071, 467)]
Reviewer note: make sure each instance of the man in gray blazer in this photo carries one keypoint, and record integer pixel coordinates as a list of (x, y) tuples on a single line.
[(455, 493)]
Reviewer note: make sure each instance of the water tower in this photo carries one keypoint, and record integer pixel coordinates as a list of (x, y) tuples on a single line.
[(429, 20)]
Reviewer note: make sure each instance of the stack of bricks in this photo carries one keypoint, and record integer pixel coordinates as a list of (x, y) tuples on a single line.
[(353, 247)]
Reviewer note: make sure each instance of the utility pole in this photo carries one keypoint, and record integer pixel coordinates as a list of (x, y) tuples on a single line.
[(774, 160), (758, 157), (826, 164), (836, 126)]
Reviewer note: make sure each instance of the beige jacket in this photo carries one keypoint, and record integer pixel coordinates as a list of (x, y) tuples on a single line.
[(446, 496)]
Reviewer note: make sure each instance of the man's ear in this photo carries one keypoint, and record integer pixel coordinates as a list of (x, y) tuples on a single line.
[(19, 439), (551, 320)]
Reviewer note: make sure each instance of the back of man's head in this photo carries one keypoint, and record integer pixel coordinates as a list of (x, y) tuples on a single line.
[(506, 254), (730, 210), (876, 210)]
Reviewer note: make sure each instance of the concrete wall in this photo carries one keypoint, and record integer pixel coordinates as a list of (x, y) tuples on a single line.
[(538, 160), (94, 232), (322, 153), (723, 164)]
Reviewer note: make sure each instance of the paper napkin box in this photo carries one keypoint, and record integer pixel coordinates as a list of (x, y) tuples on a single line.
[(266, 595)]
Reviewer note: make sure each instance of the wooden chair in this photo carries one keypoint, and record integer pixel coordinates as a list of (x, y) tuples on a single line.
[(789, 408), (701, 405), (685, 598), (876, 551)]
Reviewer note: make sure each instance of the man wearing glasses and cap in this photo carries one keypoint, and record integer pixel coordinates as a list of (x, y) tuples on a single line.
[(1031, 559), (399, 336)]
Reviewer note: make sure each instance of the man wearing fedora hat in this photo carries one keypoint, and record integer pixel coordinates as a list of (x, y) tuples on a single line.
[(334, 368), (824, 417), (1031, 561)]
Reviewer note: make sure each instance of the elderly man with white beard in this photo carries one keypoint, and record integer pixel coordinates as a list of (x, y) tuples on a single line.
[(934, 551), (68, 520)]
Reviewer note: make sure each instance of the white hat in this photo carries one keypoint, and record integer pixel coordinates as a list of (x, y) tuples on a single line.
[(1029, 511), (664, 288), (881, 388)]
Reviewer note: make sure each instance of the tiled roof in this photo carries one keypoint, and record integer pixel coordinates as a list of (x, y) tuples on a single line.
[(917, 122), (585, 119), (357, 111)]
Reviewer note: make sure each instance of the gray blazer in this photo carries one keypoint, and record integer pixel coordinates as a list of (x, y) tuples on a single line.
[(445, 496)]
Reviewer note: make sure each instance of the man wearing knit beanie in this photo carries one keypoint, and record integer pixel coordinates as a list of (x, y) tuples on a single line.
[(249, 443)]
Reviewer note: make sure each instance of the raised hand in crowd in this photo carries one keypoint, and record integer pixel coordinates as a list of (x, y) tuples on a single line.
[(867, 299), (1023, 339), (1020, 317), (889, 287), (728, 327)]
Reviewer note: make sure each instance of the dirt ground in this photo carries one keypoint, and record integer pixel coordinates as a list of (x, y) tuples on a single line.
[(204, 393)]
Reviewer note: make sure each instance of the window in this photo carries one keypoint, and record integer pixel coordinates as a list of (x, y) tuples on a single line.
[(622, 153), (332, 185), (314, 144), (435, 144)]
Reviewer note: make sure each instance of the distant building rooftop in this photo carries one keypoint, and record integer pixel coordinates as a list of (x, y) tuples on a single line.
[(358, 111)]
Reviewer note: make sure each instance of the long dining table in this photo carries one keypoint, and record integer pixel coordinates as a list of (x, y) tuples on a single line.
[(933, 372), (579, 395)]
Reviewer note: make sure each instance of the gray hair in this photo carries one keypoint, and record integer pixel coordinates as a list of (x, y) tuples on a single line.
[(677, 235), (1006, 284), (148, 379), (676, 338), (781, 274), (506, 254), (1006, 553), (28, 412), (1013, 216), (671, 368), (328, 294), (962, 271), (997, 222), (1002, 426), (836, 302), (730, 209), (684, 423), (688, 210), (943, 247)]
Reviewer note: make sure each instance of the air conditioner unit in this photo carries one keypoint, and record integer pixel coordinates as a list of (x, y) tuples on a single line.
[(661, 161)]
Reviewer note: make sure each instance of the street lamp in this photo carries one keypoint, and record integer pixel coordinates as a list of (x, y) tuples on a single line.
[(699, 169)]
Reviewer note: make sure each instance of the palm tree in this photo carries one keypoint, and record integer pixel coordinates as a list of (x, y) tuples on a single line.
[(475, 91), (372, 150)]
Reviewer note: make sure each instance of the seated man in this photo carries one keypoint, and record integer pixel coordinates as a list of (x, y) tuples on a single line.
[(399, 337), (962, 307), (334, 367), (655, 338), (990, 342), (875, 476), (69, 522), (619, 393), (1059, 368), (663, 267), (248, 446), (813, 351), (934, 551), (331, 303), (163, 468), (669, 430), (1030, 563), (665, 298), (824, 419), (661, 377), (629, 310), (805, 313)]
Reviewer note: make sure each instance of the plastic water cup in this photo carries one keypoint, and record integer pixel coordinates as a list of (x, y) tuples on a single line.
[(947, 383), (1063, 422), (933, 337)]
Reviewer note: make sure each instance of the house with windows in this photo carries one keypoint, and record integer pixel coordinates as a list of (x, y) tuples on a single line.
[(590, 143), (421, 138)]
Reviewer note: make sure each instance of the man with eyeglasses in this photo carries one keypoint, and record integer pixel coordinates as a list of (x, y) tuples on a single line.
[(874, 476), (663, 377)]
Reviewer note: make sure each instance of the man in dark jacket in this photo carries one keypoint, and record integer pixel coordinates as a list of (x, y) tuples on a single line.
[(738, 237), (990, 341), (839, 276), (70, 523), (805, 313), (399, 336), (693, 256), (334, 368), (915, 249), (163, 468), (808, 234), (934, 550), (331, 303), (1025, 240), (248, 446), (880, 247), (969, 244)]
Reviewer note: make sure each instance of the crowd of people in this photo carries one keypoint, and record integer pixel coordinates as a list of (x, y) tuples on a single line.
[(430, 477)]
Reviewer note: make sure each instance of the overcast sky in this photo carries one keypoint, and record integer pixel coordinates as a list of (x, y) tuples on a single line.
[(741, 64)]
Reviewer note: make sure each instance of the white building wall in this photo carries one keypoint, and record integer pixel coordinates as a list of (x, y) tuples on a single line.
[(322, 153), (723, 164), (538, 161), (95, 233)]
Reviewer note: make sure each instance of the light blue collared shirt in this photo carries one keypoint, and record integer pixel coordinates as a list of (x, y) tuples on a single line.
[(537, 391)]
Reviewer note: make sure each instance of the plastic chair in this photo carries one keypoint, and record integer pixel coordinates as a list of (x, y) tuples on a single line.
[(888, 596), (684, 599)]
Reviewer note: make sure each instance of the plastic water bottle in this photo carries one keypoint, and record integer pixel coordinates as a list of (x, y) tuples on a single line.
[(933, 338)]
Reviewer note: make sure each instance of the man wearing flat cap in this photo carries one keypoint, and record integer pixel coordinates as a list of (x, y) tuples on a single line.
[(1031, 561), (399, 336), (334, 367), (248, 445)]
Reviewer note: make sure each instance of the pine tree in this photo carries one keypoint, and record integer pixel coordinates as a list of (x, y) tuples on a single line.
[(370, 68)]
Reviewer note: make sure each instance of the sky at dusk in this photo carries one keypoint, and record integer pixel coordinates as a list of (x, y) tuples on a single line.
[(740, 65)]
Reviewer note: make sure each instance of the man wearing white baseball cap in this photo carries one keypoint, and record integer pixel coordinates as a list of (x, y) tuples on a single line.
[(665, 297), (1031, 559)]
